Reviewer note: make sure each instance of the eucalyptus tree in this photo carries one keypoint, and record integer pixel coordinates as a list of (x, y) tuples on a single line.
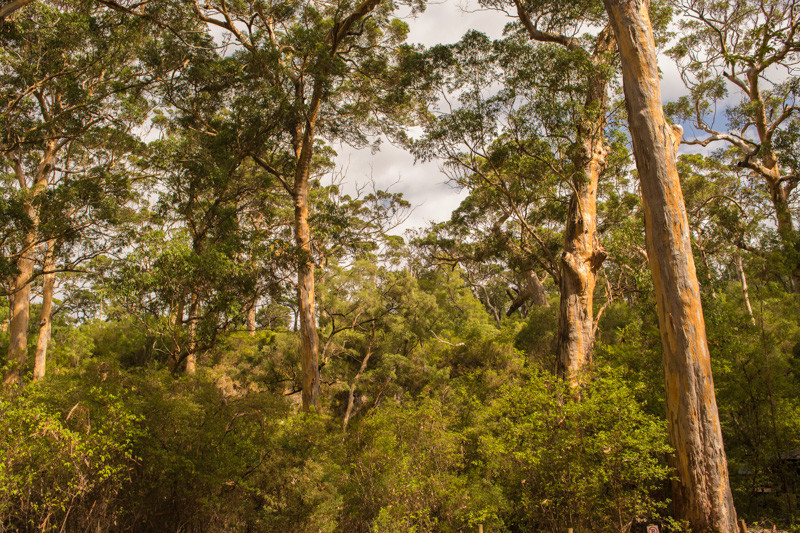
[(587, 60), (743, 57), (702, 493), (88, 210), (68, 74), (541, 133), (324, 70), (218, 209)]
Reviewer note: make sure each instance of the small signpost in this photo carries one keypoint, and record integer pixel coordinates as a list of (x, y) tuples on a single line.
[(652, 529)]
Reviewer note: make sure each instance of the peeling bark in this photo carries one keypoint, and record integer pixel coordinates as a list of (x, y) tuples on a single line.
[(45, 316), (583, 255), (701, 494), (580, 261)]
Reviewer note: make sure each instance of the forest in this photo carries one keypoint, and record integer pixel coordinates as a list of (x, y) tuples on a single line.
[(208, 323)]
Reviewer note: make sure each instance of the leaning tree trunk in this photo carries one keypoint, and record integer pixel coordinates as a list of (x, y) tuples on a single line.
[(702, 492), (46, 314), (533, 291)]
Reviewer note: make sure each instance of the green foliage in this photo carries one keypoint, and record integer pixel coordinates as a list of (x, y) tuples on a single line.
[(594, 463)]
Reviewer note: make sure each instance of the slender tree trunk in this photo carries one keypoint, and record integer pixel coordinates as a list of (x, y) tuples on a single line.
[(702, 492), (45, 316), (745, 294), (176, 314), (309, 339), (21, 283), (20, 316), (351, 395), (580, 261), (251, 319), (783, 215), (191, 341)]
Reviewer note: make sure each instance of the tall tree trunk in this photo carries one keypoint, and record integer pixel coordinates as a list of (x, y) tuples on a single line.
[(309, 339), (191, 341), (783, 215), (45, 316), (583, 255), (702, 492), (745, 293), (21, 283), (20, 315), (580, 261)]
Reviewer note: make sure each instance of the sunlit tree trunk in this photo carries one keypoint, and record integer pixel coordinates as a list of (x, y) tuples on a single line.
[(251, 319), (583, 255), (701, 493), (20, 316), (580, 261), (45, 316), (745, 292), (191, 341), (309, 339), (21, 281)]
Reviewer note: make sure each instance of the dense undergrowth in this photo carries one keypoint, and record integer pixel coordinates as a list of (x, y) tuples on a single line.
[(461, 428)]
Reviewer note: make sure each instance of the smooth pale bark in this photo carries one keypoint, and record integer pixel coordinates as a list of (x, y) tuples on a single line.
[(348, 414), (20, 317), (583, 255), (191, 341), (45, 315), (309, 339), (533, 291), (745, 293), (779, 188), (20, 283), (702, 492), (251, 319)]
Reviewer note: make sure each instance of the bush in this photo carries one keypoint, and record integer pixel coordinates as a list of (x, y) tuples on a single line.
[(593, 465)]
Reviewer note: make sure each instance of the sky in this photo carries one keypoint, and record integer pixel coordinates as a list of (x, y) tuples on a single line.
[(424, 185)]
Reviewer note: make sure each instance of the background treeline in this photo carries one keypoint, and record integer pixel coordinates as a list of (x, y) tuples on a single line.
[(203, 330)]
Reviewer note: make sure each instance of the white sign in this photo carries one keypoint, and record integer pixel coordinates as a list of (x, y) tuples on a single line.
[(652, 529)]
